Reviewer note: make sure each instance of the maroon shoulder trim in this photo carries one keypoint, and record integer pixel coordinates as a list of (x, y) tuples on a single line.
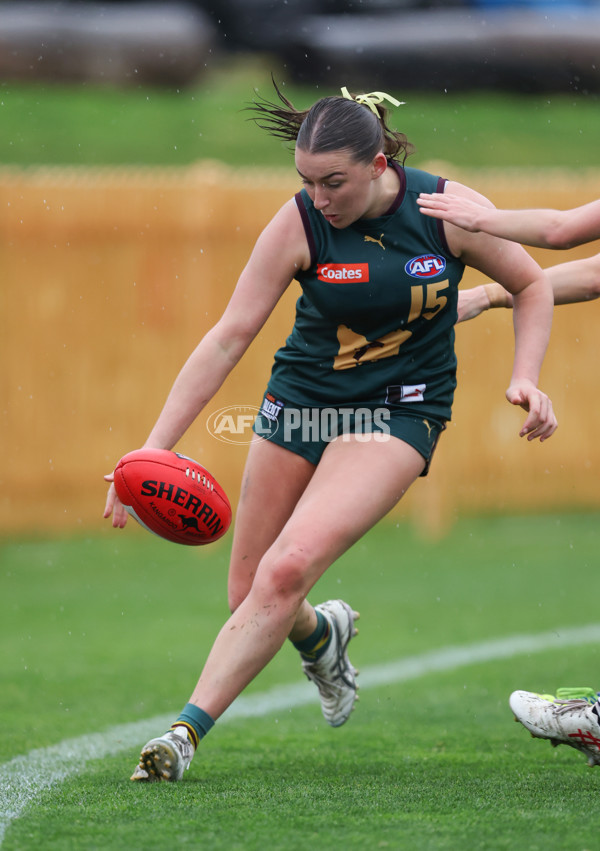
[(401, 191), (441, 185), (307, 228)]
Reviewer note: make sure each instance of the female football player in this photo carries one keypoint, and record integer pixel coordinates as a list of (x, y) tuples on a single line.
[(572, 716), (358, 395)]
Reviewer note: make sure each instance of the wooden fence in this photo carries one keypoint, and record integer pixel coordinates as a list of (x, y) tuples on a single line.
[(111, 276)]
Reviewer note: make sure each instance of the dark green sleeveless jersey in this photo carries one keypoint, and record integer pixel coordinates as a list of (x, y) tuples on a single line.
[(375, 321)]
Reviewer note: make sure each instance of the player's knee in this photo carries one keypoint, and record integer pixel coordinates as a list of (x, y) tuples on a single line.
[(284, 575)]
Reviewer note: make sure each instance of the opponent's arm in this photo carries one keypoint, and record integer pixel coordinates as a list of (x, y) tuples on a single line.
[(573, 282), (543, 228), (475, 300), (578, 280), (518, 273)]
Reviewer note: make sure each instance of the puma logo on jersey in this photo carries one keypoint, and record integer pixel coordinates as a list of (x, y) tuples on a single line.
[(377, 241)]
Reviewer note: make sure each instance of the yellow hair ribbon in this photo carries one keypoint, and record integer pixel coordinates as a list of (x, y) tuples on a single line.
[(371, 100)]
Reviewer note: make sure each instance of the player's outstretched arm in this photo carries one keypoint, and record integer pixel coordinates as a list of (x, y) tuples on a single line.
[(521, 276), (279, 251), (542, 228)]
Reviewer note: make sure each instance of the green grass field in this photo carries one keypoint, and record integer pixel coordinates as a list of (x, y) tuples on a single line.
[(112, 630), (91, 125), (102, 637)]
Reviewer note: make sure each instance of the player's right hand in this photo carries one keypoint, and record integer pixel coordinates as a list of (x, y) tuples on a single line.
[(541, 421), (114, 505)]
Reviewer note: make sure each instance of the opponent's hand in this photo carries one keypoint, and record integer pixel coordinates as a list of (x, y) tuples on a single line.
[(455, 209), (114, 505), (474, 301), (541, 421), (471, 303)]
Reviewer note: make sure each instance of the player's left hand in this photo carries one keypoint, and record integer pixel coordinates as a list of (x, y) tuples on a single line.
[(541, 421)]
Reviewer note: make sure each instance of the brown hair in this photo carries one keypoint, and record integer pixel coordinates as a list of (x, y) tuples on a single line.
[(332, 124)]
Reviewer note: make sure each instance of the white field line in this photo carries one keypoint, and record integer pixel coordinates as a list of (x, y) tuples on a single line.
[(27, 775)]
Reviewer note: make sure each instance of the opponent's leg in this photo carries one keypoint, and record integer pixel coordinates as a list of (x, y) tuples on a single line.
[(572, 717)]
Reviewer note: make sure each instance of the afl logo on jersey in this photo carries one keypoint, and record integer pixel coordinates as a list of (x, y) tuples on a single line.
[(425, 266)]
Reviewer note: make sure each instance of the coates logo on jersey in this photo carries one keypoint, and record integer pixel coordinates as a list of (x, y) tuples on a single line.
[(425, 266), (343, 273)]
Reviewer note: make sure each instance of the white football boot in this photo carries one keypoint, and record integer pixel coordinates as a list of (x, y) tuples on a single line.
[(574, 722), (164, 758), (333, 673)]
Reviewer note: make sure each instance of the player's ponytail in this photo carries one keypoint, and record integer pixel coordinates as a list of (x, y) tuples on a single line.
[(355, 123)]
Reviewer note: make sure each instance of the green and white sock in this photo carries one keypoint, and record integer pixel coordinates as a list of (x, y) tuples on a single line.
[(313, 647), (193, 723)]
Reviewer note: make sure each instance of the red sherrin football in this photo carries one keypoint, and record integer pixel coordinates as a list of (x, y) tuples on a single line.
[(172, 496)]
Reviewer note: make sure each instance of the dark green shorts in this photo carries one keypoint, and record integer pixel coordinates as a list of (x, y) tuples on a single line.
[(307, 431)]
